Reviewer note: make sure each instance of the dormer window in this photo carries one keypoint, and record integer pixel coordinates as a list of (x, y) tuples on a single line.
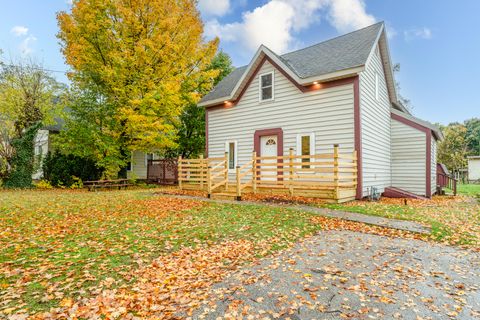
[(266, 86)]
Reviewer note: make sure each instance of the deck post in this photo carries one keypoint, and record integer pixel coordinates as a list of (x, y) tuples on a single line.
[(335, 171), (179, 173), (226, 171), (237, 172), (254, 172), (202, 173), (355, 167), (290, 171), (209, 181)]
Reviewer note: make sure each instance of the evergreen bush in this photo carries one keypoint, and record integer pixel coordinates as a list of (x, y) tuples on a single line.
[(66, 170)]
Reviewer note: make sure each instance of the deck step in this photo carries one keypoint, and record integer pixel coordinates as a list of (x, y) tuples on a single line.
[(225, 196)]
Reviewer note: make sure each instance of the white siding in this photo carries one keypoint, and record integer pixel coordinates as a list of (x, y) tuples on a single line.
[(328, 113), (139, 168), (473, 169), (375, 123), (41, 148), (408, 158), (433, 168)]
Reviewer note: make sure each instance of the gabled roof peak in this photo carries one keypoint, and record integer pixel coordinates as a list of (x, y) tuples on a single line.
[(341, 56)]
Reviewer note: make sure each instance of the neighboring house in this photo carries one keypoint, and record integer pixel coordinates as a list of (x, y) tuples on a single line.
[(136, 169), (43, 145), (474, 168), (138, 165), (341, 91)]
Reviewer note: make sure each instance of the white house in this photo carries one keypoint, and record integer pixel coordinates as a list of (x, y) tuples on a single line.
[(43, 144), (341, 91), (473, 168)]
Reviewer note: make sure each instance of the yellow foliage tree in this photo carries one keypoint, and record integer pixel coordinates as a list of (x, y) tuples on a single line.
[(144, 56)]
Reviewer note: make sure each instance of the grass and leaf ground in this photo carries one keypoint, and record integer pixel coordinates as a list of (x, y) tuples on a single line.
[(472, 190), (77, 254), (57, 246), (454, 220)]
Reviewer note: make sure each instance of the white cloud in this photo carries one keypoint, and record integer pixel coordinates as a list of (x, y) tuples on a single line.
[(269, 25), (26, 45), (391, 32), (275, 23), (418, 33), (19, 31), (349, 15), (214, 7)]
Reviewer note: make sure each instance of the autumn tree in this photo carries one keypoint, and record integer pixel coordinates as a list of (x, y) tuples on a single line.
[(29, 97), (144, 58), (473, 136), (28, 94), (453, 150), (191, 131)]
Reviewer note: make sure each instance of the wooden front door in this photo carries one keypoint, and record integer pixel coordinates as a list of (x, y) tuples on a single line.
[(268, 148)]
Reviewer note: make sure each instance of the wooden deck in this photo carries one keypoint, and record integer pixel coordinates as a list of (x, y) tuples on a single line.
[(332, 177)]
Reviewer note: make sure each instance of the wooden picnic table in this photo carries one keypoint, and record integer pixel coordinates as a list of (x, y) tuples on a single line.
[(107, 184)]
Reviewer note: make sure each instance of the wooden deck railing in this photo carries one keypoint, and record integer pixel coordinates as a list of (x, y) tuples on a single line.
[(202, 173), (332, 171), (446, 181), (329, 174)]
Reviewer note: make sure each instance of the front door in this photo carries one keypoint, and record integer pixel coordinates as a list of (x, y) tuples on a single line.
[(268, 148)]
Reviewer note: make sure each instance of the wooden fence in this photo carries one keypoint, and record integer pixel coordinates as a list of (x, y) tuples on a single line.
[(162, 171), (330, 176)]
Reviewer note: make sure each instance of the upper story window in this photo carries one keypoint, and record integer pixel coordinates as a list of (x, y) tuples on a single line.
[(266, 86)]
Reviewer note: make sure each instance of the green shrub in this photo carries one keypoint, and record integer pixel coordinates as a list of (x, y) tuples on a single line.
[(43, 184), (77, 184), (69, 170)]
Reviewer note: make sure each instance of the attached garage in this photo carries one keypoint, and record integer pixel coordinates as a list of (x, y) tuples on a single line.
[(413, 148)]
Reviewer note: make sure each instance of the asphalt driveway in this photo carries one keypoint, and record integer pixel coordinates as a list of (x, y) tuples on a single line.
[(350, 275)]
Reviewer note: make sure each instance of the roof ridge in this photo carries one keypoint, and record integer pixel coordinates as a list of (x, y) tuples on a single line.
[(318, 43), (334, 38)]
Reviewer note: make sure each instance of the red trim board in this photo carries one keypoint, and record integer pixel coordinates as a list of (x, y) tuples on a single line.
[(269, 132), (428, 150)]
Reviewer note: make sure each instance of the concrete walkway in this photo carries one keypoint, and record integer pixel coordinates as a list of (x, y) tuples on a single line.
[(350, 216), (352, 275)]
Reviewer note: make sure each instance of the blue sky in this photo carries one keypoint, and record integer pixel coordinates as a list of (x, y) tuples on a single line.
[(437, 42)]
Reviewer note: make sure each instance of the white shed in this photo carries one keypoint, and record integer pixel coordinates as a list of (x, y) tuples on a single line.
[(473, 168)]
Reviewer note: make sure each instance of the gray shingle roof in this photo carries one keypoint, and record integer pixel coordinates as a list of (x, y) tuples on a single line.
[(340, 53)]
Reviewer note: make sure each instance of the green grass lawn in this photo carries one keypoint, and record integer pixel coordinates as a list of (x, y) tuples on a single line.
[(453, 220), (472, 190), (58, 244)]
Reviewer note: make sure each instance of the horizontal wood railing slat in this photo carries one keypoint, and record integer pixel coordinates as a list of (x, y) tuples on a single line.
[(324, 173)]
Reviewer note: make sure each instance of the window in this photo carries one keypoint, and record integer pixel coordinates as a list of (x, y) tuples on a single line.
[(271, 142), (266, 86), (231, 150), (377, 95), (148, 157), (306, 147), (40, 151)]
